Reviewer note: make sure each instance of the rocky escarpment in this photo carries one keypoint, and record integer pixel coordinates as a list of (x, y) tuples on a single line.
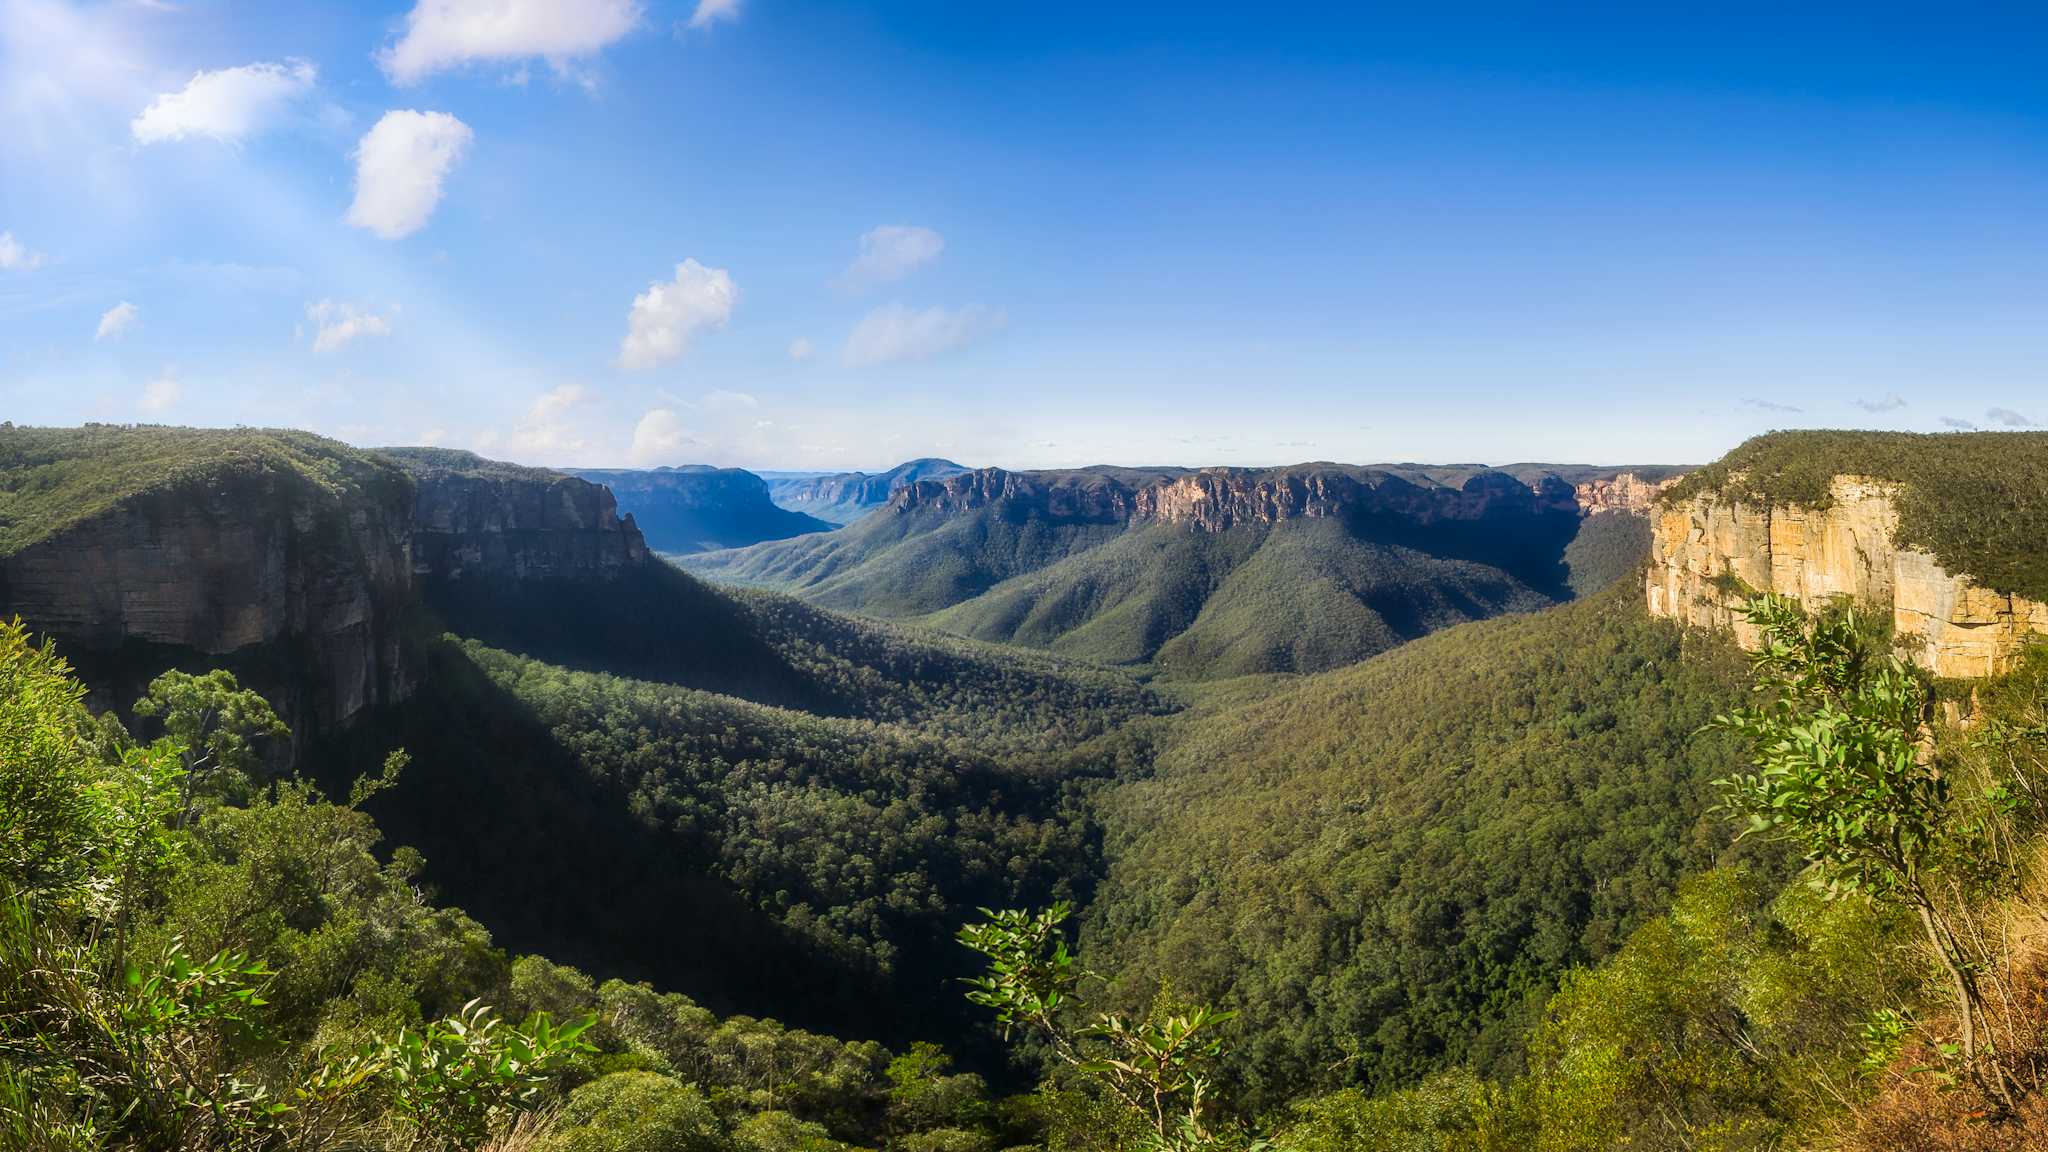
[(1710, 553), (1622, 492), (300, 584), (477, 519), (1093, 495), (1218, 499)]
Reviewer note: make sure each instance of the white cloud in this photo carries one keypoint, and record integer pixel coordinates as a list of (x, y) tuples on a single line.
[(801, 349), (229, 105), (668, 316), (161, 392), (400, 165), (891, 252), (720, 400), (546, 432), (658, 437), (115, 322), (2008, 417), (1889, 402), (897, 333), (336, 323), (710, 12), (442, 34), (15, 257)]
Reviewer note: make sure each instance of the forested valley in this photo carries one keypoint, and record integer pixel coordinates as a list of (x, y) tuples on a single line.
[(628, 860)]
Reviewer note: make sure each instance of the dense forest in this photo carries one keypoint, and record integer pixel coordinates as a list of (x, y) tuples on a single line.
[(739, 872)]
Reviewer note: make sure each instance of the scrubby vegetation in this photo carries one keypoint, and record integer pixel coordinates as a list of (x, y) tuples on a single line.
[(1978, 501)]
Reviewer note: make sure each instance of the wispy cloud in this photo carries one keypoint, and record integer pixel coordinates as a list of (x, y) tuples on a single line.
[(547, 432), (339, 323), (161, 393), (2008, 417), (1771, 405), (801, 349), (891, 252), (710, 12), (16, 256), (894, 333), (723, 400), (1958, 425), (115, 322), (1889, 402), (658, 438)]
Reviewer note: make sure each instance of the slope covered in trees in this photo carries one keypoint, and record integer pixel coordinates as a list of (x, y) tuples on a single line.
[(1298, 596), (245, 965), (1219, 573), (933, 553), (1386, 868)]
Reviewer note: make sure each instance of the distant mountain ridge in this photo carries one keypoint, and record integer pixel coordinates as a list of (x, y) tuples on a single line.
[(697, 508), (844, 497), (1216, 571)]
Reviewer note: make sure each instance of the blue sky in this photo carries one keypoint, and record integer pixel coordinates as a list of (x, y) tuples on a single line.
[(784, 234)]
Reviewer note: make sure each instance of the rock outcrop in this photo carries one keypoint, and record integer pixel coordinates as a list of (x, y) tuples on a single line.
[(1217, 499), (494, 521), (1091, 495), (306, 582), (1624, 492), (1709, 554)]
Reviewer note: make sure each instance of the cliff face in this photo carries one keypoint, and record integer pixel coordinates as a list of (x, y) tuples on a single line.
[(1095, 497), (520, 527), (1708, 552), (247, 562), (1625, 492), (1217, 499)]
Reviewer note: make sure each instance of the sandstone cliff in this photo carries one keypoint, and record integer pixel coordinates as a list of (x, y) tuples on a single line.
[(1624, 492), (306, 582), (1709, 553), (1217, 499), (1097, 495), (293, 560), (477, 519)]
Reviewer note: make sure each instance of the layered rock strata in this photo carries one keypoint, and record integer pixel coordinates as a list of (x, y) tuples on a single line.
[(1709, 554)]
